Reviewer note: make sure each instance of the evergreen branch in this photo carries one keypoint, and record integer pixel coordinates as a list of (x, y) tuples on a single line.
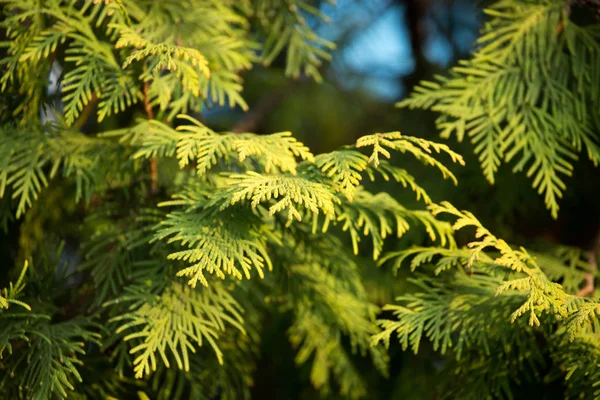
[(494, 375), (167, 55), (289, 193), (379, 215), (50, 367), (448, 258), (10, 295), (546, 123), (198, 143), (312, 336), (583, 318), (31, 151), (565, 266), (459, 315), (419, 148), (326, 308), (344, 168), (287, 26), (177, 320), (578, 361), (219, 244), (278, 150), (387, 171), (207, 378), (542, 294)]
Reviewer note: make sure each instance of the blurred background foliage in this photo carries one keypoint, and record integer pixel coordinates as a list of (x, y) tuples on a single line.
[(384, 48)]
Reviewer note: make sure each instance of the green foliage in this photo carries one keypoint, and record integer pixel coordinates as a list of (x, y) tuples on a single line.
[(526, 95), (33, 155), (10, 294), (49, 366), (578, 359), (325, 293), (199, 144), (181, 62), (155, 201), (52, 358), (216, 244), (175, 321), (475, 304), (228, 226), (286, 25)]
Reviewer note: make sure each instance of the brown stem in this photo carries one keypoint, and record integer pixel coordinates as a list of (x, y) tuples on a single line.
[(147, 105), (153, 169), (85, 113), (589, 286), (153, 176), (592, 256)]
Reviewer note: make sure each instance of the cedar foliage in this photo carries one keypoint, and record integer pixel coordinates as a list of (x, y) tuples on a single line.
[(191, 239)]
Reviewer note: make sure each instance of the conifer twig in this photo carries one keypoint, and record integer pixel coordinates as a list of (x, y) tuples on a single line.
[(153, 169)]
